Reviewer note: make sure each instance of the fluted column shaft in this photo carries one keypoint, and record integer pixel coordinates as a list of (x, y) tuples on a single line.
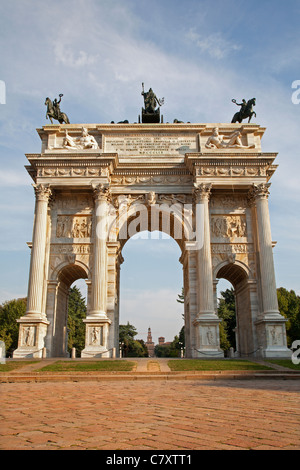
[(38, 253), (205, 281), (99, 284), (260, 194)]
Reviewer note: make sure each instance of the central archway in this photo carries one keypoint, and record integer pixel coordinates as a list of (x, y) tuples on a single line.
[(150, 281)]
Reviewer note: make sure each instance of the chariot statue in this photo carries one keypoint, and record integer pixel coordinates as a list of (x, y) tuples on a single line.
[(54, 112), (246, 110), (150, 112)]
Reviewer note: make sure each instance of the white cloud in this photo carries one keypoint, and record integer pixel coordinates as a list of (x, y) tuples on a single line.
[(155, 309), (213, 44), (66, 56)]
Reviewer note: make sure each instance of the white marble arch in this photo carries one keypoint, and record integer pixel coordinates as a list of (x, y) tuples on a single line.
[(170, 174)]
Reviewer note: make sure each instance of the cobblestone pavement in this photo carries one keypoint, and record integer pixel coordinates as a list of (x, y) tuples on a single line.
[(151, 415)]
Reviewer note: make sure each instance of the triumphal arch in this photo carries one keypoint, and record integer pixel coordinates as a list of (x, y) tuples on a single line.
[(206, 185)]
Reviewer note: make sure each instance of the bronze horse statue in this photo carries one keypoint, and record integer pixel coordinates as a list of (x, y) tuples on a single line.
[(54, 112), (245, 112)]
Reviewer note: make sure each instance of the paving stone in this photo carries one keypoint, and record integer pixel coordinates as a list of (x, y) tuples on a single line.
[(151, 415)]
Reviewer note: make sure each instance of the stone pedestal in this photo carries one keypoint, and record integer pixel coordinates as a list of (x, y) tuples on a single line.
[(32, 335), (96, 338), (207, 337), (272, 335)]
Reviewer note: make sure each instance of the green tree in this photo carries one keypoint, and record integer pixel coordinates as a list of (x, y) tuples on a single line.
[(289, 307), (76, 313), (130, 346), (10, 312), (226, 311), (181, 297)]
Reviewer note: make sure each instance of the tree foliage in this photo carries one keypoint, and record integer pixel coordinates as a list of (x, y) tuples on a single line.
[(289, 307), (130, 346), (227, 313), (10, 312), (76, 313)]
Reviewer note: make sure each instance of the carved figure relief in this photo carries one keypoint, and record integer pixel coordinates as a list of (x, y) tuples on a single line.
[(85, 141), (217, 141), (275, 335), (209, 337), (29, 336), (96, 335), (69, 226), (229, 226)]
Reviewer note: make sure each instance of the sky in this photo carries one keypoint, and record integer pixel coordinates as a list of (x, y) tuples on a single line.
[(198, 55)]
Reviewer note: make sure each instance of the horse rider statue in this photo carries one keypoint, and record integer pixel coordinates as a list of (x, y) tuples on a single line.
[(246, 110), (54, 112)]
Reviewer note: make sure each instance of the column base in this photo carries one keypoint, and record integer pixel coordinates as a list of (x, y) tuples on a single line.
[(207, 337), (271, 334), (96, 337), (32, 334)]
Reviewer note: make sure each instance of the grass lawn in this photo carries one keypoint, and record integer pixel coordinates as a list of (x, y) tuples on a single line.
[(14, 365), (212, 364), (67, 366), (285, 363)]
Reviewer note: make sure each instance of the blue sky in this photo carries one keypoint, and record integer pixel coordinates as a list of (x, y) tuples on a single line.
[(198, 55)]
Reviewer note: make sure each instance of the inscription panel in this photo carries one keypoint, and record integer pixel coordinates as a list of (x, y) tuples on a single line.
[(150, 145)]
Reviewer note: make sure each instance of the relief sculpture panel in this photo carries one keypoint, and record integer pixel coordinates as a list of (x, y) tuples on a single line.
[(73, 226), (229, 226)]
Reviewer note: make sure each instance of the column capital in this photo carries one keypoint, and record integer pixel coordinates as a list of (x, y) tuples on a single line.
[(42, 192), (101, 192), (202, 192), (259, 191)]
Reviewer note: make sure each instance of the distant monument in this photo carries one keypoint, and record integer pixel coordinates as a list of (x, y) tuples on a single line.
[(150, 344)]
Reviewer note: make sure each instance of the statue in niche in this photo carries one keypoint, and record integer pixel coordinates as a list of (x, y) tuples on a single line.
[(29, 335), (149, 113), (217, 141), (246, 110), (54, 112), (85, 141), (95, 335)]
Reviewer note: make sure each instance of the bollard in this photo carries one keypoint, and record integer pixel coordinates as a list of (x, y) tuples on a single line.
[(73, 353), (114, 353), (44, 353), (231, 352)]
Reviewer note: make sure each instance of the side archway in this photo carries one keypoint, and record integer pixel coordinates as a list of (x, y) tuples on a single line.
[(240, 276), (59, 285)]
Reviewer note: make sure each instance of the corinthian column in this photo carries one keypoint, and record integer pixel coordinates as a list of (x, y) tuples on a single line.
[(99, 284), (271, 325), (207, 322), (259, 195), (97, 322), (38, 250), (206, 298), (33, 325)]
